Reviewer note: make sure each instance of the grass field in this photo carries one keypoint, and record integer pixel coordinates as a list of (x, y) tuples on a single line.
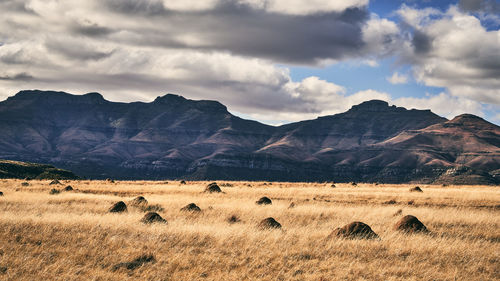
[(72, 236)]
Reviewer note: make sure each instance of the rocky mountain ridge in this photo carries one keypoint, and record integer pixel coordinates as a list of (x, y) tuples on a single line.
[(174, 137)]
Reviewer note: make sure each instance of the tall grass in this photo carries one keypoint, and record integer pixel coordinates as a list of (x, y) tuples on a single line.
[(71, 236)]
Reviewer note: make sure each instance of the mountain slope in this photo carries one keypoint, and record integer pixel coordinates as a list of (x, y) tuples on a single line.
[(176, 137), (364, 124), (88, 130), (23, 170)]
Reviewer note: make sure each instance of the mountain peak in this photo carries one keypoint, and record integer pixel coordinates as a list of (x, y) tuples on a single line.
[(469, 121), (372, 106), (33, 94), (169, 98), (466, 118), (57, 97), (94, 96), (177, 100)]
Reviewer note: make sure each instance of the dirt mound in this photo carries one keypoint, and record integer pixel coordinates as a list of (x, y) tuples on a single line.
[(233, 219), (416, 189), (68, 188), (118, 207), (213, 188), (153, 217), (54, 182), (264, 201), (269, 223), (137, 262), (54, 191), (410, 224), (355, 230), (191, 208), (139, 200)]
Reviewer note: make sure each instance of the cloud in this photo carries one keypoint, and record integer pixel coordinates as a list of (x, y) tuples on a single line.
[(417, 17), (381, 37), (91, 29), (453, 50), (23, 76), (304, 7), (397, 78), (76, 50), (290, 7), (487, 6), (442, 104), (293, 32)]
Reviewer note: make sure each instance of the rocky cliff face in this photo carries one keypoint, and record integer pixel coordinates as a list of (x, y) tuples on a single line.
[(176, 137)]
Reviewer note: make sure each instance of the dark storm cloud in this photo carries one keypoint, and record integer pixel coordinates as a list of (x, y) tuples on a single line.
[(134, 7), (244, 30), (490, 66), (470, 5), (486, 6), (17, 77), (16, 6), (422, 43), (14, 58), (288, 38), (91, 30), (76, 52)]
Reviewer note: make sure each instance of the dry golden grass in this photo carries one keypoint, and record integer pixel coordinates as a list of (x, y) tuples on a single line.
[(71, 236)]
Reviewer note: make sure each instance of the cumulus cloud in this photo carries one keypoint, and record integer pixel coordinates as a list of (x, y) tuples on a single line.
[(453, 50), (442, 104), (397, 78), (381, 37)]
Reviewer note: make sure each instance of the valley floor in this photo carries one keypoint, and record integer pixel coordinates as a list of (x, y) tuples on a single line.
[(72, 236)]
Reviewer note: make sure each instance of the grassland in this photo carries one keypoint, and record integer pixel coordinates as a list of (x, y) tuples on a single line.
[(72, 236)]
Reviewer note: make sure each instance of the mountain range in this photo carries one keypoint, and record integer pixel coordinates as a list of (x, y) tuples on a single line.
[(174, 137)]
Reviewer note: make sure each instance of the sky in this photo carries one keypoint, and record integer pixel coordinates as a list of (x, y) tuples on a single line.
[(275, 61)]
